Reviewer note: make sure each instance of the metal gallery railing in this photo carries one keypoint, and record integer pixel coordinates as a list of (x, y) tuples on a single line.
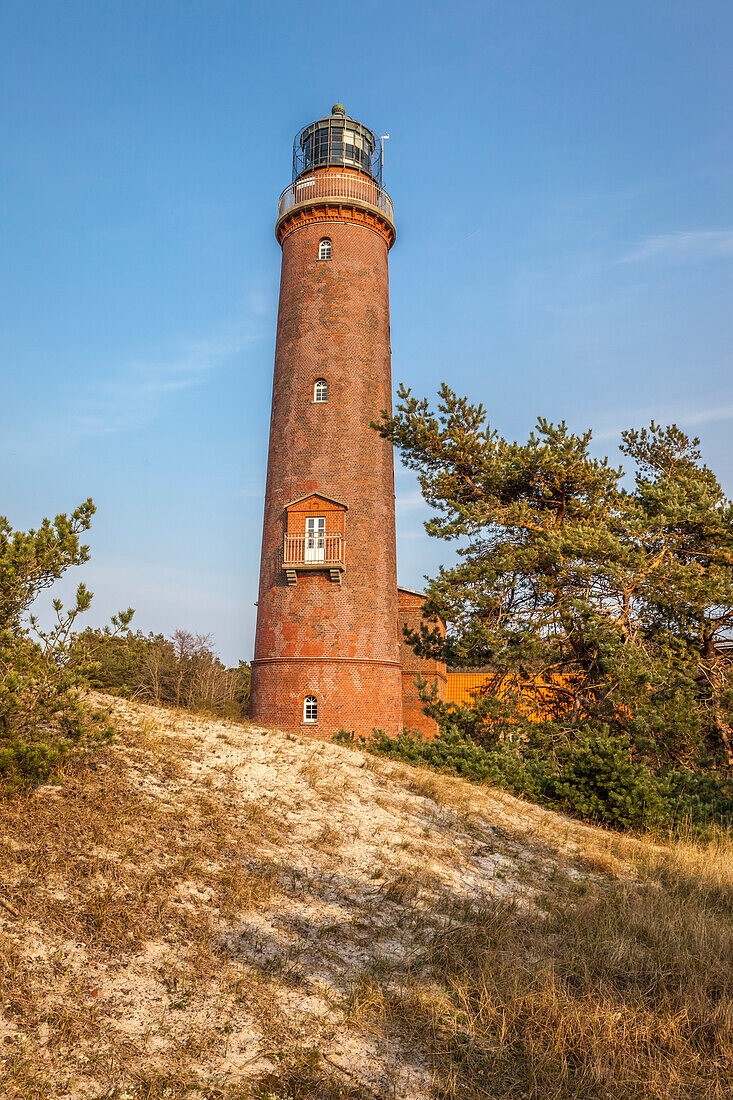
[(335, 185)]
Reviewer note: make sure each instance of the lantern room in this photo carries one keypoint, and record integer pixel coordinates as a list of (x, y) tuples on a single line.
[(336, 142)]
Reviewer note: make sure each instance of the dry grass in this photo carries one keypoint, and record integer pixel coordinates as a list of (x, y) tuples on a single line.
[(614, 990), (216, 911), (97, 870)]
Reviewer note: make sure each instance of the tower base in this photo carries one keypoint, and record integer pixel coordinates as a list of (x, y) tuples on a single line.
[(352, 694)]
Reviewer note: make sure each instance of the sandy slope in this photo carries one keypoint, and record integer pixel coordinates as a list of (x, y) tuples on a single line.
[(197, 912)]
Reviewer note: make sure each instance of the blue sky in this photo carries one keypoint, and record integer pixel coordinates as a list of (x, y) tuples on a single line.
[(562, 174)]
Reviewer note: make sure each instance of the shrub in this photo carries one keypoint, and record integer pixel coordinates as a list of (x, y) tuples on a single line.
[(591, 776), (41, 717), (597, 780), (181, 671)]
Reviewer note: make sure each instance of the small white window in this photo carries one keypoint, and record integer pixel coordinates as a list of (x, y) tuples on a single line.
[(320, 390), (310, 709), (324, 249)]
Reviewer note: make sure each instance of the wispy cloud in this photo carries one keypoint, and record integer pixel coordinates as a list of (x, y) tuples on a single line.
[(684, 418), (134, 393), (139, 391), (410, 502), (684, 247)]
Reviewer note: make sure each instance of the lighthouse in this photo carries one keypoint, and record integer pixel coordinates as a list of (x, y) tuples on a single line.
[(328, 637)]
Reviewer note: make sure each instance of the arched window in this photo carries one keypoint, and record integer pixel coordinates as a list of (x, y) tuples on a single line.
[(320, 390), (324, 249), (310, 709)]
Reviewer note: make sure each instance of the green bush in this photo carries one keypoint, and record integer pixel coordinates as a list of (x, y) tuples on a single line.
[(699, 798), (32, 756), (591, 775), (42, 718), (596, 779)]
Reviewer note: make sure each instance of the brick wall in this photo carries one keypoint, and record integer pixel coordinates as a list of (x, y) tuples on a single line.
[(411, 615), (337, 642)]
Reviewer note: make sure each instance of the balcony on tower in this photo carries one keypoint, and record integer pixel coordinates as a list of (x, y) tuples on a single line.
[(315, 537), (336, 162)]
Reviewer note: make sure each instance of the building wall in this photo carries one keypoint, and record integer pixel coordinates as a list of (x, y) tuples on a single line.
[(535, 703), (352, 695), (338, 642), (462, 687), (413, 715)]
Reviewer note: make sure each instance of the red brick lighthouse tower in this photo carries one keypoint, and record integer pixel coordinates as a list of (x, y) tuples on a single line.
[(327, 641)]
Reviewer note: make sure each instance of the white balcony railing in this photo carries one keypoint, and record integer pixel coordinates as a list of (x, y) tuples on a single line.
[(313, 550), (335, 185)]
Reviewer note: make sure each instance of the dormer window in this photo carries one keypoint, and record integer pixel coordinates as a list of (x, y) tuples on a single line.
[(324, 249), (315, 537), (320, 390)]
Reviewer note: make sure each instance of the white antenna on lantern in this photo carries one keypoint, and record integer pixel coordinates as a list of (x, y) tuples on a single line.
[(383, 138)]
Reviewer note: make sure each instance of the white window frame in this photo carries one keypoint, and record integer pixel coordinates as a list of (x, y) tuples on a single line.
[(320, 391), (325, 249), (310, 710), (315, 539)]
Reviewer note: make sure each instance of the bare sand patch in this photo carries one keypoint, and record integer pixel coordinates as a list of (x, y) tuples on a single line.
[(196, 910)]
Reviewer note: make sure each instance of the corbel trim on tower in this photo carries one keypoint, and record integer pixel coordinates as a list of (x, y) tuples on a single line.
[(367, 216)]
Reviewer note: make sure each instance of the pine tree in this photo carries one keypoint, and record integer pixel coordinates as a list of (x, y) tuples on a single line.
[(607, 598), (41, 718)]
